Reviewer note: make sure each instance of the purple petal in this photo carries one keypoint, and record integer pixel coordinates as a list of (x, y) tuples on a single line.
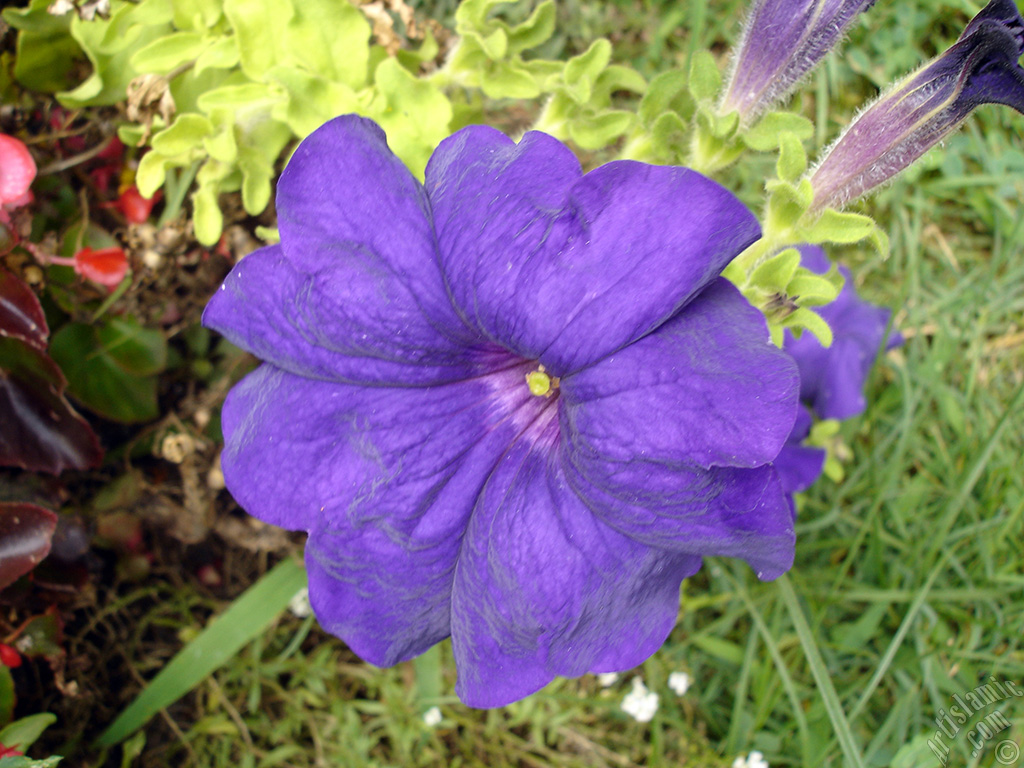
[(543, 588), (782, 41), (354, 291), (926, 106), (707, 389), (567, 268), (832, 380), (799, 466), (344, 322)]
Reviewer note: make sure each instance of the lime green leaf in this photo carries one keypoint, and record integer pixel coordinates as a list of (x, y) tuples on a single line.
[(183, 137), (581, 72), (165, 53), (244, 620), (248, 97), (7, 697), (838, 227), (505, 80), (811, 289), (705, 80), (775, 273), (792, 158), (494, 44), (222, 54), (311, 101), (535, 30), (600, 130), (330, 39), (667, 92), (764, 136), (810, 320), (196, 15), (259, 25), (206, 215)]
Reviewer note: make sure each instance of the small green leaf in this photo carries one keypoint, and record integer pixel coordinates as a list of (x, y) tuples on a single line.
[(705, 79), (601, 130), (508, 80), (247, 97), (196, 15), (330, 39), (811, 289), (7, 697), (22, 733), (28, 762), (164, 54), (259, 26), (494, 44), (774, 274), (535, 30), (183, 137), (808, 319), (222, 54), (792, 158), (839, 227), (765, 135), (111, 368), (667, 92), (46, 52), (206, 215)]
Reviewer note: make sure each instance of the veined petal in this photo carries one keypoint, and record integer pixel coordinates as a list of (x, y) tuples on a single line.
[(348, 321), (782, 41), (543, 588), (706, 389), (567, 268), (358, 258), (926, 106)]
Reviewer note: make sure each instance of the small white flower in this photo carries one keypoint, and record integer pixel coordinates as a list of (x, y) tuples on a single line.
[(754, 760), (679, 682), (607, 679), (640, 703), (299, 604), (432, 717)]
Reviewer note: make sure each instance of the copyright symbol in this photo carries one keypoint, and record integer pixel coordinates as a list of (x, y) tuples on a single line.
[(1007, 752)]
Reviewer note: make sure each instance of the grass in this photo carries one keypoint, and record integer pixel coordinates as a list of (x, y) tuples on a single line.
[(907, 587)]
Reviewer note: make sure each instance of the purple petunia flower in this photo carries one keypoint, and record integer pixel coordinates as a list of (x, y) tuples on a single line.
[(514, 405), (799, 466), (918, 112), (782, 41), (832, 379)]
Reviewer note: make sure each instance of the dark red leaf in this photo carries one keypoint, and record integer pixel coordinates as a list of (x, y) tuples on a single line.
[(41, 431), (21, 315), (25, 533)]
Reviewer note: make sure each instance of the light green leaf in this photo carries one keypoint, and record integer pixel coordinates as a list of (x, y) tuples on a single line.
[(774, 274), (259, 25), (311, 101), (601, 130), (331, 39), (207, 218), (506, 80), (839, 227), (222, 54), (535, 30), (46, 52), (810, 320), (248, 98), (222, 639), (705, 80), (196, 15), (183, 137), (765, 135), (165, 53), (792, 160)]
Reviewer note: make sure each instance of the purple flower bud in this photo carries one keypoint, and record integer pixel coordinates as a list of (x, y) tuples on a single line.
[(782, 41), (926, 106)]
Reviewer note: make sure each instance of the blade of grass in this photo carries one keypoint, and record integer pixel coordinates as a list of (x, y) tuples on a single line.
[(246, 618), (847, 742)]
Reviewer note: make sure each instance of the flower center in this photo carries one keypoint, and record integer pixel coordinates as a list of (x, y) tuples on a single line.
[(540, 383)]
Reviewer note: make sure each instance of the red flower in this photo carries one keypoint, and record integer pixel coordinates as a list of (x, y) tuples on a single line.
[(9, 752), (10, 658), (106, 266), (134, 206), (17, 170)]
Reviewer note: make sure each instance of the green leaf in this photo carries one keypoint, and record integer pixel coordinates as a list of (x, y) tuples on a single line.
[(22, 733), (111, 368), (165, 53), (581, 72), (667, 92), (182, 137), (196, 15), (494, 45), (330, 39), (808, 319), (535, 30), (765, 135), (792, 158), (601, 130), (28, 762), (813, 290), (838, 227), (311, 100), (244, 620), (508, 80), (705, 80), (7, 697), (46, 52), (247, 97), (774, 274), (259, 26), (222, 54)]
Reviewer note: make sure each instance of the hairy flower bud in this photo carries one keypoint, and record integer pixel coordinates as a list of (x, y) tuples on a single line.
[(782, 41), (926, 106)]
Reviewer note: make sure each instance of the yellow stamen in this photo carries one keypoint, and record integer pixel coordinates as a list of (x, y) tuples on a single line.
[(539, 383)]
